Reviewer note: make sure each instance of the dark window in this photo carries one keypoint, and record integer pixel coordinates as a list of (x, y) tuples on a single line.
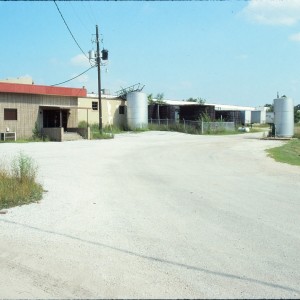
[(94, 105), (10, 114), (121, 109)]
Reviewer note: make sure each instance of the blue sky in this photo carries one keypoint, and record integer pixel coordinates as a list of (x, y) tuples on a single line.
[(230, 52)]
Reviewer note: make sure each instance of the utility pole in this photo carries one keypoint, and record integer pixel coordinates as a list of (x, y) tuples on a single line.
[(99, 79)]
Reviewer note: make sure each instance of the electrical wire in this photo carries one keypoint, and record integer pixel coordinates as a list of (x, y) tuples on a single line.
[(69, 29), (73, 77), (92, 12), (79, 18)]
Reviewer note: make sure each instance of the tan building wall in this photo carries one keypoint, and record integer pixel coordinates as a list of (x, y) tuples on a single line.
[(23, 80), (111, 111), (30, 110)]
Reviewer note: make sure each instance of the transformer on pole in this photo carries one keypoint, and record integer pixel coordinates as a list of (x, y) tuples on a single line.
[(99, 79)]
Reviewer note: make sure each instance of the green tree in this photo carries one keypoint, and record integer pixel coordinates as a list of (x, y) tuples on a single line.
[(270, 107), (160, 98), (191, 99), (150, 99), (297, 113), (201, 100), (198, 100)]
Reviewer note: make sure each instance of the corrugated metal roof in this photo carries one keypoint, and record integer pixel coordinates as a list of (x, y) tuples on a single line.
[(41, 90), (217, 106)]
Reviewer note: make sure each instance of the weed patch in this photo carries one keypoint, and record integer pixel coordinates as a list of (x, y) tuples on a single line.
[(18, 183)]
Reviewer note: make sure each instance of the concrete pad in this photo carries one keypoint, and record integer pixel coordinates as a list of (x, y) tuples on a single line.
[(155, 215)]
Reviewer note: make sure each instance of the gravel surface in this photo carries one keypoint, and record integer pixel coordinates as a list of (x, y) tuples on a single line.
[(155, 215)]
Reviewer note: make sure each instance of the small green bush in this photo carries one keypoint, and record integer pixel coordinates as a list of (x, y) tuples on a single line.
[(107, 132), (98, 135), (37, 135), (18, 184), (82, 124)]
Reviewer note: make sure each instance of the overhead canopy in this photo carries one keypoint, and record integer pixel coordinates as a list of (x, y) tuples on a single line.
[(62, 107)]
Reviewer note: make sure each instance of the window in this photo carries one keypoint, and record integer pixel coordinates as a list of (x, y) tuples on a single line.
[(121, 109), (10, 114), (94, 105)]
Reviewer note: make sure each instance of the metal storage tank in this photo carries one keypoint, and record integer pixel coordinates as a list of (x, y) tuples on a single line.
[(137, 110), (284, 116)]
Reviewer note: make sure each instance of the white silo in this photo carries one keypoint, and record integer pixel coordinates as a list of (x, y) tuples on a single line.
[(284, 116), (137, 110)]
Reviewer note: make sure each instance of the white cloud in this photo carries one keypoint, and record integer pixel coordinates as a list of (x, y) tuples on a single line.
[(80, 60), (273, 12), (295, 37)]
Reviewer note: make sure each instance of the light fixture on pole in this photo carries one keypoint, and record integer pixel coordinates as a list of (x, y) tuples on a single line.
[(97, 58)]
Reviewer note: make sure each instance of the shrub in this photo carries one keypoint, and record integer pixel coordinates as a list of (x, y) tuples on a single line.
[(82, 124), (18, 184), (37, 135)]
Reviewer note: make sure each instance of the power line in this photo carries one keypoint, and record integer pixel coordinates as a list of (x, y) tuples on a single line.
[(69, 29), (92, 12), (73, 77), (79, 18)]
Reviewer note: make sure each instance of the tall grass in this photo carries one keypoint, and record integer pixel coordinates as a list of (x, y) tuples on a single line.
[(190, 129), (18, 182), (297, 131), (107, 132)]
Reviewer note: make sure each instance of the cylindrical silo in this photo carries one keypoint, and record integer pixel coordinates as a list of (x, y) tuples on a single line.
[(284, 116), (137, 110)]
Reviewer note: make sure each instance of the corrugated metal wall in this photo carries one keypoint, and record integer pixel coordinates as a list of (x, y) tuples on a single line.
[(195, 112), (156, 111), (229, 116)]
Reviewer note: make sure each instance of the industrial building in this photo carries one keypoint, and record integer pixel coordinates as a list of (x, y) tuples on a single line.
[(177, 109), (57, 111), (53, 111), (113, 110)]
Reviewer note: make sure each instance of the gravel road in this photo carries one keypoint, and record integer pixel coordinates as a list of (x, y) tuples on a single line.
[(155, 215)]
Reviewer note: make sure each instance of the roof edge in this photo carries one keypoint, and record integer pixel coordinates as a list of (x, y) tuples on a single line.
[(20, 88)]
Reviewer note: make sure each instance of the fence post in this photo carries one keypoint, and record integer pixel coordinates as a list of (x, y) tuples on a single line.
[(202, 127), (151, 121), (184, 124), (167, 122)]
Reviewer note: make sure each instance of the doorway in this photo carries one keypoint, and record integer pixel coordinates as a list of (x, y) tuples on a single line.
[(55, 118)]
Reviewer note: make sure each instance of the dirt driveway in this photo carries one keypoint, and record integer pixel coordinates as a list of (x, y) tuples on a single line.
[(155, 215)]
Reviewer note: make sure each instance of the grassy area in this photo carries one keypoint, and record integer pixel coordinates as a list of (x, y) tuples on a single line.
[(18, 183), (288, 153), (107, 132), (297, 131), (29, 140), (259, 128), (191, 129)]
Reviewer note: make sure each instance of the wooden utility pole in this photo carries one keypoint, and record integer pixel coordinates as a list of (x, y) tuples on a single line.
[(99, 79)]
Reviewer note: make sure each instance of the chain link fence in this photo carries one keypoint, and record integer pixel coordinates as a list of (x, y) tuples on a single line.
[(198, 127)]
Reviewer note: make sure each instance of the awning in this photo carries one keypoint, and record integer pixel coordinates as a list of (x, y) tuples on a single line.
[(62, 107)]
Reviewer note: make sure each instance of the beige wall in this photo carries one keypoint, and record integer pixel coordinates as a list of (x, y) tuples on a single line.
[(29, 111), (110, 111), (23, 80)]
